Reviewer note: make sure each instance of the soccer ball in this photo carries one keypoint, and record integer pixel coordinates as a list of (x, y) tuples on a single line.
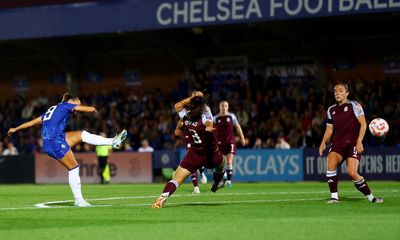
[(378, 127)]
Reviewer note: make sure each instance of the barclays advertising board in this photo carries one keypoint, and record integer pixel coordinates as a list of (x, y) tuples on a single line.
[(135, 15), (268, 165), (265, 165)]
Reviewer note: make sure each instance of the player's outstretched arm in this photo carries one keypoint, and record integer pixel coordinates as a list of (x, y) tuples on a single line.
[(89, 109), (36, 121), (325, 139), (181, 104)]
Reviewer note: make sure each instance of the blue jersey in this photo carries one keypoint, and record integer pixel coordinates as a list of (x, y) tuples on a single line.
[(55, 120)]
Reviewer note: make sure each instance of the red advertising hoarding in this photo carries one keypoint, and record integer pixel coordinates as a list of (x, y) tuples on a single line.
[(124, 167)]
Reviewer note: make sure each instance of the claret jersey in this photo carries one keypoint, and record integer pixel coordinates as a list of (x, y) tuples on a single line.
[(345, 124), (197, 131), (224, 126)]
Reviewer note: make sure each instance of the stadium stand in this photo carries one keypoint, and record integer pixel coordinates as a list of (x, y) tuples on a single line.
[(298, 112)]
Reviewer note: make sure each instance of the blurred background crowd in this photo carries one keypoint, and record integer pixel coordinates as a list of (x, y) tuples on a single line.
[(269, 111)]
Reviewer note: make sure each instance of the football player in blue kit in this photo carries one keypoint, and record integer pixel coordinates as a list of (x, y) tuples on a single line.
[(57, 143)]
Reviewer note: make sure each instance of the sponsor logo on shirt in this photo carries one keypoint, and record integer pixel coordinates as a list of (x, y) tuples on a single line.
[(187, 123)]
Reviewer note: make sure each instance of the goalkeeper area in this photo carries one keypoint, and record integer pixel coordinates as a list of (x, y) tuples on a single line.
[(245, 211)]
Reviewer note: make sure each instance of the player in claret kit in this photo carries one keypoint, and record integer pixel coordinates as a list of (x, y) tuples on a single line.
[(345, 127), (183, 132), (57, 143), (224, 123), (197, 118)]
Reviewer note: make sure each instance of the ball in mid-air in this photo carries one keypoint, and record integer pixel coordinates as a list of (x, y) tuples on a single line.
[(378, 127)]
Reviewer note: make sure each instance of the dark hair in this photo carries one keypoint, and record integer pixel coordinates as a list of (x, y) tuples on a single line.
[(67, 96), (204, 91), (196, 107)]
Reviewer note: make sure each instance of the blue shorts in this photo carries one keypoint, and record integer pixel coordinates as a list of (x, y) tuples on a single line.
[(56, 148)]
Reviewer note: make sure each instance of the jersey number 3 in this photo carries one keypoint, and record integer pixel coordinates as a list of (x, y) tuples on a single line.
[(195, 136), (49, 113)]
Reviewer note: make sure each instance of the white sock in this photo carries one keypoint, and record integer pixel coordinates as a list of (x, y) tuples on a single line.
[(95, 139), (370, 197), (335, 195), (75, 183)]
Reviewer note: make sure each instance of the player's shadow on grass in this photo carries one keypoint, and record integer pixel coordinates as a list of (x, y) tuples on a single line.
[(351, 199), (63, 204), (195, 204)]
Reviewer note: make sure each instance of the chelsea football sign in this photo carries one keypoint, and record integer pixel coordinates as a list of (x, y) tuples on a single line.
[(219, 11), (137, 15)]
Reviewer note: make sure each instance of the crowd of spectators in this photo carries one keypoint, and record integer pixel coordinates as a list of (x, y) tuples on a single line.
[(272, 114)]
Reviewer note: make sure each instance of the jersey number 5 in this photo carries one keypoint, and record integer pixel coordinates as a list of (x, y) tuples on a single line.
[(355, 152), (195, 136), (49, 113)]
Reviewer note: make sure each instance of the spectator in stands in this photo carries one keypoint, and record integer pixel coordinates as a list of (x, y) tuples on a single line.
[(145, 146), (11, 150), (128, 147), (282, 144), (270, 143), (27, 111), (242, 116), (131, 109), (258, 144)]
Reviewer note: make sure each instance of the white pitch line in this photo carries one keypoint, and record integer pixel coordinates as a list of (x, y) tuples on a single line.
[(46, 204), (220, 202)]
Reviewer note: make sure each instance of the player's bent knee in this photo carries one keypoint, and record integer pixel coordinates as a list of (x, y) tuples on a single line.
[(74, 137), (353, 174)]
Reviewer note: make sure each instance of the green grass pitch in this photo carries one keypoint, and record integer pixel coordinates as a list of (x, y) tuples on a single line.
[(245, 211)]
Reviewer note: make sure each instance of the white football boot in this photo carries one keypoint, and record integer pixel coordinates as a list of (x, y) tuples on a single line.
[(203, 179), (196, 190), (116, 143), (82, 203)]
